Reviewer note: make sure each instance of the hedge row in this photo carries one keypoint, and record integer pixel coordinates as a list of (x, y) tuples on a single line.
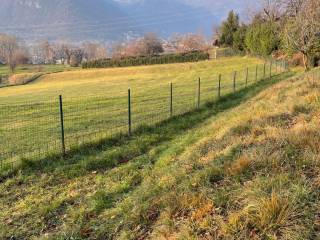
[(147, 60)]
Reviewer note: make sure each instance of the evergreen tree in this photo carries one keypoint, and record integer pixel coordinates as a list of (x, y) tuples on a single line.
[(262, 38), (228, 28), (239, 38)]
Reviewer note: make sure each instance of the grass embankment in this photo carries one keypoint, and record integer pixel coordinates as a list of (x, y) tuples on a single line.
[(27, 73), (246, 167), (4, 70), (95, 102)]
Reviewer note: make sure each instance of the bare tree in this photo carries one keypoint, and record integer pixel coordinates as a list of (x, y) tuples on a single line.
[(20, 56), (76, 57), (44, 53), (272, 10), (293, 7), (59, 53), (48, 52), (67, 51), (189, 43), (93, 51), (9, 51), (302, 33), (118, 50), (130, 49), (150, 45)]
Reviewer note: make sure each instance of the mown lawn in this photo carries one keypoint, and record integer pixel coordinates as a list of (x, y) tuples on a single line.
[(95, 102), (246, 167)]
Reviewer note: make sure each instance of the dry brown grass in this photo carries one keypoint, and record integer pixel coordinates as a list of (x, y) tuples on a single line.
[(250, 172)]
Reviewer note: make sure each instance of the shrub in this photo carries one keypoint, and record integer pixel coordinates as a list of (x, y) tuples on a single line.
[(262, 38), (147, 60)]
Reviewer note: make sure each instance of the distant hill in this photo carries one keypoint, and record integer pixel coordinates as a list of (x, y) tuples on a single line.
[(170, 16), (107, 20), (63, 19)]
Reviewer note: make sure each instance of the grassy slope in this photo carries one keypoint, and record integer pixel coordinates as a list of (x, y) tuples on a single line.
[(27, 73), (95, 102), (244, 168), (4, 70), (116, 81)]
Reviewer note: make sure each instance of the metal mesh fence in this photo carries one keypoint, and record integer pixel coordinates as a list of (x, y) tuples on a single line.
[(39, 129)]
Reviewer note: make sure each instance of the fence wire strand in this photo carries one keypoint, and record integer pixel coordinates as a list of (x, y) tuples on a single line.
[(33, 130)]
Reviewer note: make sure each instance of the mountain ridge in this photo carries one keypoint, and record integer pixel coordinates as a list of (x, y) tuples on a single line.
[(106, 20)]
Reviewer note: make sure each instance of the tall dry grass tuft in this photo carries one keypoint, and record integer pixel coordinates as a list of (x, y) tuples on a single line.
[(239, 166), (274, 216)]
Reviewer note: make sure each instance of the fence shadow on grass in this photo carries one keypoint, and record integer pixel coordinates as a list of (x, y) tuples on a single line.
[(121, 149)]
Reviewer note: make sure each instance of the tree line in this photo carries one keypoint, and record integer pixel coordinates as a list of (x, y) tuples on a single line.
[(286, 26), (147, 60), (150, 49), (14, 51)]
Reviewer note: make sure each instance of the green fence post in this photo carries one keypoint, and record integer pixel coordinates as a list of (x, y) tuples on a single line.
[(63, 145), (234, 81), (171, 100), (199, 92), (219, 87), (256, 73), (270, 70), (264, 70), (129, 112)]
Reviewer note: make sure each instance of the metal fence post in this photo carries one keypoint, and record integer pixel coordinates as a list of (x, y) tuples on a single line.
[(171, 100), (234, 81), (129, 112), (256, 73), (219, 87), (63, 145), (270, 69), (264, 70), (199, 92)]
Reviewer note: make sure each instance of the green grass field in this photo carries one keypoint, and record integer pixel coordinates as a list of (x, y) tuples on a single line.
[(27, 73), (95, 102), (4, 70), (245, 167)]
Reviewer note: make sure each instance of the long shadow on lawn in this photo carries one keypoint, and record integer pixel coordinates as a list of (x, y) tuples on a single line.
[(122, 149)]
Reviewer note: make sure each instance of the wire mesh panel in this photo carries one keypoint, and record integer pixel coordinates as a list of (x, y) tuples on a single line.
[(35, 130), (28, 130), (150, 109), (92, 119)]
